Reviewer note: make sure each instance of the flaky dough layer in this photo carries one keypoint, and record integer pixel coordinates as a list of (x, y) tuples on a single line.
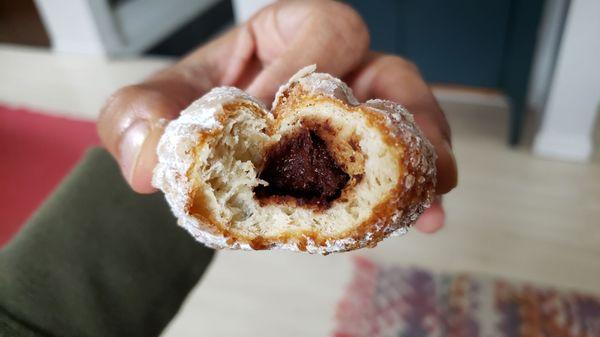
[(210, 157)]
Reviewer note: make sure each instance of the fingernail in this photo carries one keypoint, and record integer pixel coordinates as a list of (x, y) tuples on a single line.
[(450, 153), (130, 147)]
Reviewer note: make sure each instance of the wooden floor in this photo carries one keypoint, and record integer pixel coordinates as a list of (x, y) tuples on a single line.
[(513, 215)]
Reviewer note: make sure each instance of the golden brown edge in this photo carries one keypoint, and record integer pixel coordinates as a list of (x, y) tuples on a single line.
[(376, 224)]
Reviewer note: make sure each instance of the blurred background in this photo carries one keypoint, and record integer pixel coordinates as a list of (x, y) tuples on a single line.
[(518, 79)]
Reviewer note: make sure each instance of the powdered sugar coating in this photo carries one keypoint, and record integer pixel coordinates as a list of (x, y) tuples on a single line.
[(175, 155), (419, 161), (318, 83), (175, 158), (419, 158)]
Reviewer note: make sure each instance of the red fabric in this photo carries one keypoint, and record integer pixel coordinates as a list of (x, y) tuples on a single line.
[(36, 152)]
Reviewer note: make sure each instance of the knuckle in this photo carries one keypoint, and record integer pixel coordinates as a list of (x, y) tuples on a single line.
[(400, 62), (123, 94), (348, 15), (130, 93), (118, 106), (347, 23), (125, 97)]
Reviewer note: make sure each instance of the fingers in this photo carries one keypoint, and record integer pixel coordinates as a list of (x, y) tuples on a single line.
[(329, 34), (432, 219), (395, 79), (259, 55), (132, 122), (133, 119)]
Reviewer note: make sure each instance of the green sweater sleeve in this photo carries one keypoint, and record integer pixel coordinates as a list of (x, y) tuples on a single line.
[(97, 260)]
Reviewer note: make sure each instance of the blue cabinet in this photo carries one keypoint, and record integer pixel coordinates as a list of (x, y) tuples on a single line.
[(479, 43)]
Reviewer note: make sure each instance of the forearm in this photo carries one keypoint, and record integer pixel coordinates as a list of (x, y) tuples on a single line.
[(98, 260)]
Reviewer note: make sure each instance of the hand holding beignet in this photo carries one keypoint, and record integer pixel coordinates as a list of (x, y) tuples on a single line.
[(258, 56)]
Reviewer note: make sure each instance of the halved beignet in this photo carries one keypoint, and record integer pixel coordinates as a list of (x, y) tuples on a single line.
[(319, 173)]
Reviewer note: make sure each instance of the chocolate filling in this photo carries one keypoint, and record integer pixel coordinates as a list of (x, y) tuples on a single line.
[(302, 167)]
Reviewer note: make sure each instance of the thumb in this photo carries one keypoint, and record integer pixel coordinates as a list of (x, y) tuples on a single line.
[(130, 126), (333, 37)]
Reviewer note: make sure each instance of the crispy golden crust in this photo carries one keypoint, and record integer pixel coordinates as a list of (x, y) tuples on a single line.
[(397, 210), (378, 225)]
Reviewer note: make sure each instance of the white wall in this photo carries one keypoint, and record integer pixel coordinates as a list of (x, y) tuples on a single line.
[(567, 127), (73, 27), (93, 27), (544, 60), (244, 9)]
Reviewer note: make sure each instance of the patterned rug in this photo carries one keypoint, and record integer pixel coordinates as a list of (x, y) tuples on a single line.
[(409, 302)]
